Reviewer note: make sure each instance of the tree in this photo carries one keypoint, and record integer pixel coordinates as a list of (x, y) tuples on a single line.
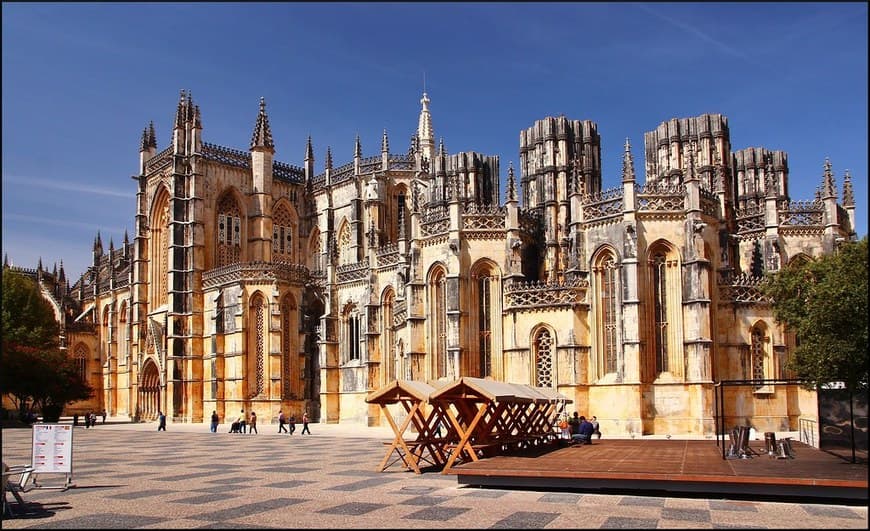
[(36, 374), (824, 302)]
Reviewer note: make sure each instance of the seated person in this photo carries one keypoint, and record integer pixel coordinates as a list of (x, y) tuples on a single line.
[(584, 434), (574, 425)]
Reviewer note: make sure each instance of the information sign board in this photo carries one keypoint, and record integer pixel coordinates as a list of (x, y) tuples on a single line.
[(52, 449)]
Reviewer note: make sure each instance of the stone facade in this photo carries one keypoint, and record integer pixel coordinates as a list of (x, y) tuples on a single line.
[(254, 284)]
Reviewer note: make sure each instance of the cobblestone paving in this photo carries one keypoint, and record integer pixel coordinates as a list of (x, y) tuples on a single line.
[(131, 476)]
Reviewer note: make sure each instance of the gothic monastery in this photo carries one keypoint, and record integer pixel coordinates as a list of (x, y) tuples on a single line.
[(254, 284)]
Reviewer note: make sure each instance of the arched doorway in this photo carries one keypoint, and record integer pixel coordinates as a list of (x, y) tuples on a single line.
[(149, 391)]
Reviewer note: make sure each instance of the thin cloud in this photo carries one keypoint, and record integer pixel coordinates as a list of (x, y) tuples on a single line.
[(694, 31), (66, 186), (66, 223)]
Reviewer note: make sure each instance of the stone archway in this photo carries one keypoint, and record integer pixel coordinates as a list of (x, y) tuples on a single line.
[(149, 391)]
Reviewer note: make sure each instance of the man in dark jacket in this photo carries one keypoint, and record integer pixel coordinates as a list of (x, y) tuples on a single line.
[(584, 435)]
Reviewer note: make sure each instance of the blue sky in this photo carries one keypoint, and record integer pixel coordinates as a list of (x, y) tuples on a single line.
[(80, 81)]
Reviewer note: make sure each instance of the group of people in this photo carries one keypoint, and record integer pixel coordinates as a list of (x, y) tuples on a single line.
[(580, 430), (90, 418), (245, 424)]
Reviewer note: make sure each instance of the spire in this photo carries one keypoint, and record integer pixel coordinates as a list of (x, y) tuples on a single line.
[(424, 127), (828, 189), (691, 175), (5, 259), (512, 183), (627, 163), (262, 137), (848, 195), (39, 264), (180, 111), (197, 117), (98, 244), (152, 137), (357, 148), (143, 144), (126, 238), (111, 244), (309, 151), (62, 273), (328, 158), (441, 150), (54, 271), (385, 143)]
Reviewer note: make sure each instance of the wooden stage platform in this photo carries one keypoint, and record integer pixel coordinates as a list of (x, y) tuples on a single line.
[(674, 466)]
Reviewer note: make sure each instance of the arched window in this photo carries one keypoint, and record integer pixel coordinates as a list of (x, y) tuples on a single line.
[(256, 346), (543, 346), (759, 356), (388, 337), (282, 236), (289, 328), (315, 255), (664, 313), (660, 305), (438, 314), (606, 311), (123, 333), (350, 333), (344, 250), (159, 248), (81, 359), (484, 319), (229, 233), (484, 324)]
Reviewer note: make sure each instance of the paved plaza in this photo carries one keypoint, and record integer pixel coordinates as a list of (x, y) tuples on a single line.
[(131, 476)]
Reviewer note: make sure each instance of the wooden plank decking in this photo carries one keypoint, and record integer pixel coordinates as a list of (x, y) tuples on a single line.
[(689, 466)]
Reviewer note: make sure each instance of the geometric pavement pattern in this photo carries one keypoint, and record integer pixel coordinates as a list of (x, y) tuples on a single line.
[(130, 476)]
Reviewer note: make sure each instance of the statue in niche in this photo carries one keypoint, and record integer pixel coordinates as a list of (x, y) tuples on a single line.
[(698, 238), (630, 247), (372, 189)]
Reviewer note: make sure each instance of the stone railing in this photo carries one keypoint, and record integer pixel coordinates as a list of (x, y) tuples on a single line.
[(342, 173), (401, 162), (436, 220), (539, 295), (750, 220), (661, 196), (353, 272), (742, 289), (255, 272), (479, 217), (388, 255), (370, 164), (288, 172), (709, 203), (602, 205), (802, 214)]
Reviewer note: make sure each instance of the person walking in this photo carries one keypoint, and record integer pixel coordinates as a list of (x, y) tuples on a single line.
[(242, 422), (281, 422), (104, 416), (252, 426), (305, 424), (292, 423), (161, 421), (214, 421)]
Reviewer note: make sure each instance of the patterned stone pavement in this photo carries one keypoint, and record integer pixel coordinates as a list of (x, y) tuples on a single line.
[(131, 476)]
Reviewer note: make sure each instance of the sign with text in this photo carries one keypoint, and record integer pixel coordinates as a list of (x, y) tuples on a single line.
[(52, 449)]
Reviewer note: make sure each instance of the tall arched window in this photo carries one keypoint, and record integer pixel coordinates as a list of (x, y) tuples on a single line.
[(758, 355), (229, 233), (664, 313), (606, 311), (388, 337), (438, 314), (159, 248), (660, 305), (256, 346), (344, 251), (123, 333), (282, 235), (484, 323), (315, 255), (350, 333), (543, 346), (288, 329), (81, 359)]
